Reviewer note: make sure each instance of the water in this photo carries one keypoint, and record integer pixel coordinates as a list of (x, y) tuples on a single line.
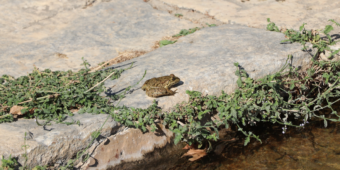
[(312, 147)]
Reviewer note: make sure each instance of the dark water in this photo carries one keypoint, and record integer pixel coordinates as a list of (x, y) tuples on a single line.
[(308, 148)]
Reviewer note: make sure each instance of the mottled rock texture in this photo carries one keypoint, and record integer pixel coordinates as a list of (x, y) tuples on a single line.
[(39, 32), (129, 150), (254, 13), (53, 144)]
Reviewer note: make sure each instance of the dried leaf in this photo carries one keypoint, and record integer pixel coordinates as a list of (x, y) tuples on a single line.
[(195, 153), (16, 110), (32, 110), (193, 146), (186, 146)]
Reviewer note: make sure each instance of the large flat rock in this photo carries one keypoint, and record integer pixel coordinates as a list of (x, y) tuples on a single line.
[(254, 13), (133, 149), (55, 143), (35, 32), (204, 61)]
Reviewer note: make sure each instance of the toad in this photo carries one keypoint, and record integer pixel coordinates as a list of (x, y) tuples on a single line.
[(160, 86)]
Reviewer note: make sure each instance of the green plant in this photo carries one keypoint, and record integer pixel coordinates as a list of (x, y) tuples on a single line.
[(178, 15), (303, 36), (185, 32), (8, 164), (271, 26), (50, 95), (6, 118), (211, 25), (165, 42), (40, 167)]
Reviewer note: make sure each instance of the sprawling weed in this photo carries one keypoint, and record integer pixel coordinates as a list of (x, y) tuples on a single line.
[(8, 164), (50, 95)]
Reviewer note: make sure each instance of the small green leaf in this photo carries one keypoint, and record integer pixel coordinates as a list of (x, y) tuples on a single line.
[(178, 138), (233, 112), (247, 140), (302, 26), (239, 82), (165, 42), (328, 29)]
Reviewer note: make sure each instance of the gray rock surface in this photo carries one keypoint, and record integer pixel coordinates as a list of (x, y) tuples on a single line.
[(254, 13), (204, 61), (97, 33), (56, 143)]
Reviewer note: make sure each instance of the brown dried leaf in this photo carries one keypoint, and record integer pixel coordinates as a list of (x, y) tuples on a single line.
[(74, 110), (193, 146), (314, 32), (3, 108), (16, 110), (283, 30), (195, 153), (186, 146)]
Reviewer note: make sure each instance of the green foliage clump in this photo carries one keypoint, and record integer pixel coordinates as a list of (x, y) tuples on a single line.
[(40, 168), (272, 26), (303, 36), (51, 94), (211, 25), (185, 32), (6, 118), (138, 118), (178, 15), (165, 42), (8, 164)]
